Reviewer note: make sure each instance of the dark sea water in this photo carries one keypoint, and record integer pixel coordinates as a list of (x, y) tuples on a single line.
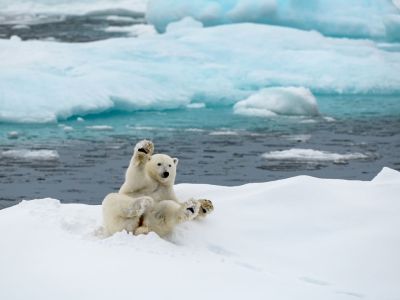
[(213, 145)]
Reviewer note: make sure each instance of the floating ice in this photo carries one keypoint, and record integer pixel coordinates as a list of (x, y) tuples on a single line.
[(311, 155), (100, 128), (30, 155), (223, 132), (65, 7), (344, 18), (292, 101), (133, 30), (46, 81), (13, 135)]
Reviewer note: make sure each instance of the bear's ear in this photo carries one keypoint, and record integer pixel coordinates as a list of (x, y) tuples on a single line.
[(175, 161)]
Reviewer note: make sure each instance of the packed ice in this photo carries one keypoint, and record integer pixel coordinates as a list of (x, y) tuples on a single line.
[(219, 65)]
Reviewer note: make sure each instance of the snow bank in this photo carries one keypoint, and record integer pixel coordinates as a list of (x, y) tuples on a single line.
[(345, 18), (45, 81), (65, 7), (292, 101), (30, 155), (311, 155), (298, 238)]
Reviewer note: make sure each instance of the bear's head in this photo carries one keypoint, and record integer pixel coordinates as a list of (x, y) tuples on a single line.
[(162, 168)]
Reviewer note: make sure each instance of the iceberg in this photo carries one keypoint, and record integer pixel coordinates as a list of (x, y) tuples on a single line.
[(297, 238), (43, 81), (291, 101), (376, 19)]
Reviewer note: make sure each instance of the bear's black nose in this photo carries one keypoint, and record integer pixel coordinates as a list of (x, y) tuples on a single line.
[(165, 174)]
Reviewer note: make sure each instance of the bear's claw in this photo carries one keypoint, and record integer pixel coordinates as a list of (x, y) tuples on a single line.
[(145, 146), (206, 207)]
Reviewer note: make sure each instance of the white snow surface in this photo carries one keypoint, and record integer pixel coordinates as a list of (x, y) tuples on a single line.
[(30, 155), (293, 101), (42, 81), (378, 19), (297, 238), (311, 155)]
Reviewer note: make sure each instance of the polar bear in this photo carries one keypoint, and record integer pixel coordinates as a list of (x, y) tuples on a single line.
[(146, 201), (154, 176)]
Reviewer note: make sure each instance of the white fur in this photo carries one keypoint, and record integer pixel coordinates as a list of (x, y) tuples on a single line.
[(147, 199)]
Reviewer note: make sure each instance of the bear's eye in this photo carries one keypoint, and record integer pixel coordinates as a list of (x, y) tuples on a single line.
[(169, 166), (159, 164)]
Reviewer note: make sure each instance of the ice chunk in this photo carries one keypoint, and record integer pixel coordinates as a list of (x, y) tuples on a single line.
[(31, 155), (13, 135), (133, 30), (294, 101), (100, 127), (311, 155), (345, 18)]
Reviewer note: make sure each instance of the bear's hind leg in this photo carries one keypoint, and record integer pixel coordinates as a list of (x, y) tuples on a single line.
[(189, 210), (135, 207), (206, 207)]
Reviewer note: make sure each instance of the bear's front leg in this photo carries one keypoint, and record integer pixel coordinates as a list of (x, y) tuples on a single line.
[(206, 207), (143, 151)]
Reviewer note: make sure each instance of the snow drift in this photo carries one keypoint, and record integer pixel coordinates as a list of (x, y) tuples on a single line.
[(298, 238), (377, 19), (46, 81)]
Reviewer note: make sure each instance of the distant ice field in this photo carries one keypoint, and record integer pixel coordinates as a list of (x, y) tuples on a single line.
[(189, 65)]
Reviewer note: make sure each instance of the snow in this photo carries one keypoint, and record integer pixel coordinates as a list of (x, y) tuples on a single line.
[(294, 101), (344, 18), (311, 155), (30, 155), (297, 238), (218, 65)]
